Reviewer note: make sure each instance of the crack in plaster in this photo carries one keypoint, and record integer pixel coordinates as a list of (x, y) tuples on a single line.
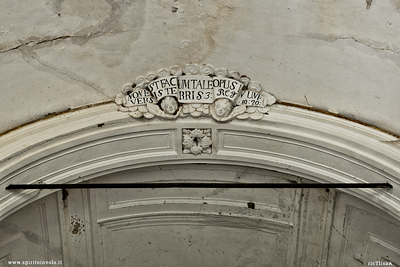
[(368, 43), (342, 235), (307, 101), (64, 73), (369, 3), (32, 44), (45, 40), (15, 47), (108, 26), (373, 46)]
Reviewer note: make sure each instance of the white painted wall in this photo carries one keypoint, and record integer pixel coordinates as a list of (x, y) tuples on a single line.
[(338, 56)]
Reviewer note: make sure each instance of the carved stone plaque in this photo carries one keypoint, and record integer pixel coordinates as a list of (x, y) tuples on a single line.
[(195, 91)]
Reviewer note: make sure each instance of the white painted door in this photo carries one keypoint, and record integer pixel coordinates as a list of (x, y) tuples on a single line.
[(363, 235), (32, 235), (200, 227)]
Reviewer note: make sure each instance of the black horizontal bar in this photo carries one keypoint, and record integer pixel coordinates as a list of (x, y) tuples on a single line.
[(198, 185)]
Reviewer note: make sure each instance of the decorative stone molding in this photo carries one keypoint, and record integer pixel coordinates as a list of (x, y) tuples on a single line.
[(196, 91), (196, 141), (88, 143)]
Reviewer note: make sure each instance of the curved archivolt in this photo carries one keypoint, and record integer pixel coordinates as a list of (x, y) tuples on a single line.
[(85, 144)]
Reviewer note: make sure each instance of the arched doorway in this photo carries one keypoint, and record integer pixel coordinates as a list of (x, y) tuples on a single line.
[(297, 227)]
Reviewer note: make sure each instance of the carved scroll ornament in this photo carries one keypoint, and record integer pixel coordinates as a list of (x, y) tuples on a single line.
[(196, 91)]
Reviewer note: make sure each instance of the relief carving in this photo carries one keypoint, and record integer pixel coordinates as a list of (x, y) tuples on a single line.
[(196, 91), (196, 141)]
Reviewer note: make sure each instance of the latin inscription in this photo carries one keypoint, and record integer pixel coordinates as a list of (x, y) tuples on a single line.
[(165, 86), (226, 88), (250, 98), (195, 89), (138, 98)]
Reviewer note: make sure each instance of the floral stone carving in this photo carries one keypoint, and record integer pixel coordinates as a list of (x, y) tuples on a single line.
[(195, 91), (196, 141)]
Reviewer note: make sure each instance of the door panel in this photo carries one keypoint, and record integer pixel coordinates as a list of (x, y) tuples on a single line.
[(32, 233), (362, 235), (197, 241), (197, 227)]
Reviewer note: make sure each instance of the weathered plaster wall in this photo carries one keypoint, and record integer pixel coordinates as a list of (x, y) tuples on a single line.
[(337, 55)]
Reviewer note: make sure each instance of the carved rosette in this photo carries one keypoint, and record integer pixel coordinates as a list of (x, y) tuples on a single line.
[(196, 141), (195, 91)]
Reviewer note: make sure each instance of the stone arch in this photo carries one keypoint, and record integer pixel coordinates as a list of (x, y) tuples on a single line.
[(87, 143)]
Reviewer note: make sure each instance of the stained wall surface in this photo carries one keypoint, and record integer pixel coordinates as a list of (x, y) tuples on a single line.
[(335, 55)]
